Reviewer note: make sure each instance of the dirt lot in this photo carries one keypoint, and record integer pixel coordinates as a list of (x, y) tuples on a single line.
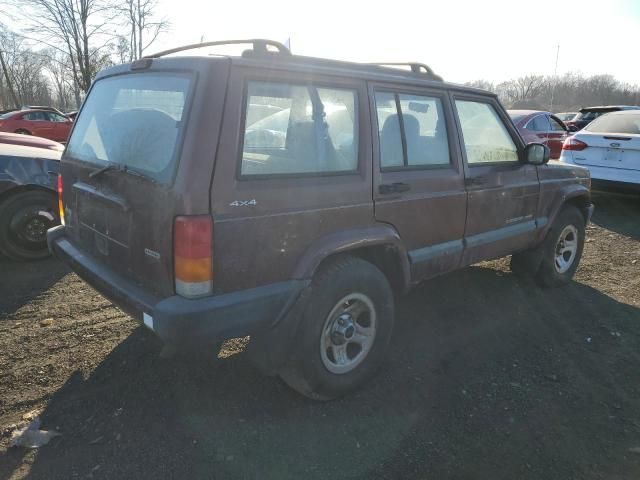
[(488, 378)]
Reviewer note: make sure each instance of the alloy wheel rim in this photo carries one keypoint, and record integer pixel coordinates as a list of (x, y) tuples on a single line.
[(348, 333), (566, 249)]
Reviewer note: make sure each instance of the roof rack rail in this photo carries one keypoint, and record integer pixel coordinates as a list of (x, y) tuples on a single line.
[(259, 46), (415, 67)]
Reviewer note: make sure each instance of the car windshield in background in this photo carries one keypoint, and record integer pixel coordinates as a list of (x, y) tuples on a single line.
[(590, 114), (628, 123), (134, 121)]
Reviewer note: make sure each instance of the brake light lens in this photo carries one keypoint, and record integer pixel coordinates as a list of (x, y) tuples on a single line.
[(60, 203), (193, 255), (573, 144)]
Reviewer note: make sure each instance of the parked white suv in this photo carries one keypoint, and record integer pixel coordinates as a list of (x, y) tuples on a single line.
[(609, 147)]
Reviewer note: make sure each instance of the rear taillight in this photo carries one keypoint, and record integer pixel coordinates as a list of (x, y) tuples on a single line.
[(193, 255), (573, 144), (60, 203)]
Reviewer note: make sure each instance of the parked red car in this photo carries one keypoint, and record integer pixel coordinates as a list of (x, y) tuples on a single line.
[(29, 141), (541, 127), (41, 123)]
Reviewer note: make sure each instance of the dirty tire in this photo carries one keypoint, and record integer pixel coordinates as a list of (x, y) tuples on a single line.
[(306, 371), (27, 243), (570, 220)]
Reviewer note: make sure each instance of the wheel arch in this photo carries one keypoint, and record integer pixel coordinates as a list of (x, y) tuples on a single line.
[(380, 245), (578, 196), (29, 187)]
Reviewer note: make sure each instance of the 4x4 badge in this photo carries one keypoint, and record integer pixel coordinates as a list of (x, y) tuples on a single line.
[(243, 203)]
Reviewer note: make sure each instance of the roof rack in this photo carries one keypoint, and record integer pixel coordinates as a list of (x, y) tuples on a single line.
[(259, 46), (415, 67)]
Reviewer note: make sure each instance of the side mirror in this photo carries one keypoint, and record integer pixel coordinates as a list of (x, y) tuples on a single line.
[(536, 154), (572, 128)]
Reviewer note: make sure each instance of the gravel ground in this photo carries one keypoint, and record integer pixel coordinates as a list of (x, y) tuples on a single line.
[(488, 377)]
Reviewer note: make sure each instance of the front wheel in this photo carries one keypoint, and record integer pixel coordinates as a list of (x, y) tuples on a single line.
[(24, 220), (345, 330), (22, 131), (561, 250)]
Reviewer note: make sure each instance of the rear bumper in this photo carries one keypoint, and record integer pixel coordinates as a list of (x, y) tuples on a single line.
[(176, 320)]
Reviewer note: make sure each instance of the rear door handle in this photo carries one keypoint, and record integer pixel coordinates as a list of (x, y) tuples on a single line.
[(397, 187)]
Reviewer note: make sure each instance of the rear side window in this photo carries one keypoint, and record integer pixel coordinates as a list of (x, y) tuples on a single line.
[(35, 116), (134, 121), (411, 130), (299, 129), (486, 139), (627, 123), (538, 124)]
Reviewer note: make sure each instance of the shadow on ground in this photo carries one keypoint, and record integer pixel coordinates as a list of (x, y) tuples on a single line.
[(487, 378), (618, 213), (21, 282)]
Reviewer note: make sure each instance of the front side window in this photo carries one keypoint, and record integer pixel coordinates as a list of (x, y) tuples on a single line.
[(556, 126), (299, 129), (133, 120), (411, 131), (54, 117), (486, 138)]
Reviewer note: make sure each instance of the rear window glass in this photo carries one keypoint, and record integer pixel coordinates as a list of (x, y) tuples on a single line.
[(628, 123), (135, 121), (590, 115), (296, 129)]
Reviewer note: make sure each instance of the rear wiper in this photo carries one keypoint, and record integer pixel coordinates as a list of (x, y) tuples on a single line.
[(106, 168), (120, 168)]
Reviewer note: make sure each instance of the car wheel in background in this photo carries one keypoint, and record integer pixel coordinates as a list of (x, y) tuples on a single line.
[(24, 220), (22, 131), (344, 331)]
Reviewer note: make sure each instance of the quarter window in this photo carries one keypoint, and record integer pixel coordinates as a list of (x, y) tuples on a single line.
[(411, 131), (486, 139), (295, 129)]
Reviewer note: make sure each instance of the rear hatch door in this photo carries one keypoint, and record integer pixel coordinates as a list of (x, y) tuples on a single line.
[(129, 168)]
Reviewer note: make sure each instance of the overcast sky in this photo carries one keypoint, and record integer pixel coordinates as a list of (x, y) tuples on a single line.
[(460, 39)]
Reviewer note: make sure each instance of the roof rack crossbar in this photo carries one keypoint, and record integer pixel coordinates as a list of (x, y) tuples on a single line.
[(415, 67), (259, 46)]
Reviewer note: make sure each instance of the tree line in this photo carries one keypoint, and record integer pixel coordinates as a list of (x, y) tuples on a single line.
[(63, 44), (566, 93)]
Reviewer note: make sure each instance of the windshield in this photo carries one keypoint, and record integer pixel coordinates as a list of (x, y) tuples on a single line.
[(628, 123), (135, 121)]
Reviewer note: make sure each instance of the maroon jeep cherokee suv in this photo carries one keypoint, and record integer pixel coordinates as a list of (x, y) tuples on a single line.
[(288, 198)]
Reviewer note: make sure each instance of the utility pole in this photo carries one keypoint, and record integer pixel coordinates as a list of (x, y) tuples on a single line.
[(555, 74), (9, 84)]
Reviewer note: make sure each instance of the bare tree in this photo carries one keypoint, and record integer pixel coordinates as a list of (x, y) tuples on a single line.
[(144, 26), (77, 27), (22, 72)]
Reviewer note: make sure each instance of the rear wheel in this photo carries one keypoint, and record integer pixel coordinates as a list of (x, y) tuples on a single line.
[(345, 330), (22, 131), (24, 220)]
